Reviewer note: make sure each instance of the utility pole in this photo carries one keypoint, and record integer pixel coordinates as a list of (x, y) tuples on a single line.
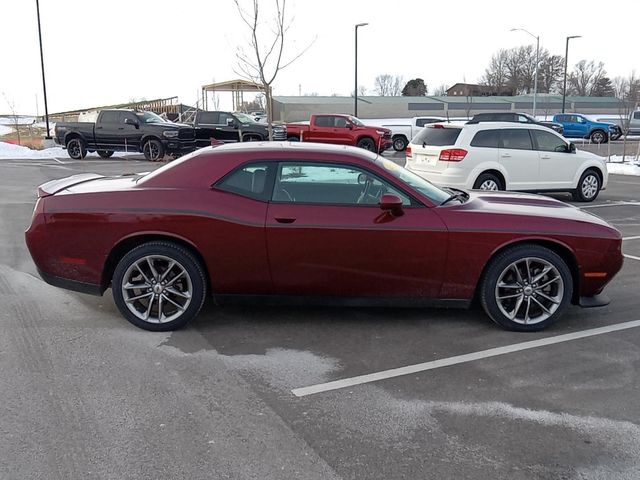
[(44, 83), (355, 91), (566, 61)]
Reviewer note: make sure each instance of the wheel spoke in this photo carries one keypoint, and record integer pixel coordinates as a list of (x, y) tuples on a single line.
[(510, 296), (508, 285), (541, 275), (144, 275), (518, 275), (526, 260), (153, 269), (160, 313), (172, 281), (547, 297), (173, 291), (547, 311), (168, 299), (548, 282), (134, 286), (148, 312), (526, 313), (517, 307), (138, 297), (164, 274)]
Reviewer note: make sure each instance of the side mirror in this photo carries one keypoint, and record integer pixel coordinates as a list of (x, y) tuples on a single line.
[(391, 203), (231, 123), (349, 126), (130, 121), (572, 147)]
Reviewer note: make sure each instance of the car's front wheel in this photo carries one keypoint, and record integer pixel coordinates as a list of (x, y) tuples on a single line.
[(153, 150), (367, 144), (526, 288), (159, 286), (599, 136), (589, 186)]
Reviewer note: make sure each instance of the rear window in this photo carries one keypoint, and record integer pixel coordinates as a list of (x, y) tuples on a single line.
[(437, 136)]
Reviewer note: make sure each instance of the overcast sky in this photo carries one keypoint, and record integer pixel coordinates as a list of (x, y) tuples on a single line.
[(101, 52)]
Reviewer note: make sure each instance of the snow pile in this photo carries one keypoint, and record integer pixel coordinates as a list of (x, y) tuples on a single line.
[(631, 165), (10, 151), (4, 130), (19, 119)]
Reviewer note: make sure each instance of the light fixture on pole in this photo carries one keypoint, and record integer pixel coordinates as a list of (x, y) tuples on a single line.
[(566, 60), (355, 91), (44, 84), (535, 79)]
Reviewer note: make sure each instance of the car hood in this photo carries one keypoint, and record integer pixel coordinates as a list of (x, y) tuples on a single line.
[(169, 125), (522, 212)]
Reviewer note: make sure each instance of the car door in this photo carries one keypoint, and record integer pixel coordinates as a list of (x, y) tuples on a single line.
[(519, 159), (558, 166), (326, 235), (130, 133), (320, 130), (106, 130), (582, 126)]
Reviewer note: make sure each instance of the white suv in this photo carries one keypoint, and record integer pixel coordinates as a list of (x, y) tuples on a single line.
[(505, 156)]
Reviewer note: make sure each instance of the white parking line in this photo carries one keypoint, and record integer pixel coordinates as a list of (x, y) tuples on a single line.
[(637, 237), (612, 204), (469, 357), (633, 257)]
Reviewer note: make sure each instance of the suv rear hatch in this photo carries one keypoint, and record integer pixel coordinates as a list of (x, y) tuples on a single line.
[(428, 146)]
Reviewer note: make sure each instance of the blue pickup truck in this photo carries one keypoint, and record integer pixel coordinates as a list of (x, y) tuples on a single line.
[(579, 126)]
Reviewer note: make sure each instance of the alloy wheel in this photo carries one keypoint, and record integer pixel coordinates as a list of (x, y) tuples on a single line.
[(489, 185), (589, 186), (529, 290)]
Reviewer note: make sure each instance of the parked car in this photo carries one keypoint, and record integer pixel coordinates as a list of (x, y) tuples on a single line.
[(232, 127), (515, 117), (505, 156), (125, 130), (341, 130), (404, 129), (309, 223), (630, 125), (579, 126)]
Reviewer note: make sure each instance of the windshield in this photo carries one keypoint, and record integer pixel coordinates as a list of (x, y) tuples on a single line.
[(149, 117), (428, 189), (356, 121), (244, 118)]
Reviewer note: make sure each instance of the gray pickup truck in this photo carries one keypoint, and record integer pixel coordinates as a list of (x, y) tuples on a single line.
[(629, 125)]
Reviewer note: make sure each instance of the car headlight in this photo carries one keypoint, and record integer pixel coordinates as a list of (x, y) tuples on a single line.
[(170, 133), (380, 132)]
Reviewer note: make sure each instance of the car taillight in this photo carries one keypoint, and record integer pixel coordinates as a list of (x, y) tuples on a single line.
[(452, 155), (408, 151)]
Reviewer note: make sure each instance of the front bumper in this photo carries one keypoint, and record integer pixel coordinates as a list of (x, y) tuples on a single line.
[(179, 146)]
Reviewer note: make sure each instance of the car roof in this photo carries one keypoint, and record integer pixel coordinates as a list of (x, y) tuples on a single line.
[(284, 146), (489, 125)]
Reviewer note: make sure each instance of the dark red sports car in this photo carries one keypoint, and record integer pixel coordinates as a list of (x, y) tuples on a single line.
[(314, 223)]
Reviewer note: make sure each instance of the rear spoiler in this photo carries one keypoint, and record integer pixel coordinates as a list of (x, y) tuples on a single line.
[(55, 186)]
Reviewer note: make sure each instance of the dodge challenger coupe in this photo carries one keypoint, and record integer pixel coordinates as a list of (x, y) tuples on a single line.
[(310, 223)]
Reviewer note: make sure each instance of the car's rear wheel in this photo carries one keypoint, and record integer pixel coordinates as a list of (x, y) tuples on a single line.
[(293, 138), (159, 286), (76, 148), (105, 153), (153, 150), (488, 181), (599, 136), (588, 187), (367, 144), (399, 143), (526, 288)]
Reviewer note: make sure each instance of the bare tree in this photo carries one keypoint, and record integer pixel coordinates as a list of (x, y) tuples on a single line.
[(362, 91), (496, 74), (441, 90), (627, 91), (267, 44), (585, 77), (15, 117), (388, 85), (550, 74)]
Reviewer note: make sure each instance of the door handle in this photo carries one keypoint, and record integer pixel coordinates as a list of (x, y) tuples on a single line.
[(285, 219), (546, 157), (506, 155)]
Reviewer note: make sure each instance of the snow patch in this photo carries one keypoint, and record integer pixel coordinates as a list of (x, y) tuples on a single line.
[(5, 130), (11, 151)]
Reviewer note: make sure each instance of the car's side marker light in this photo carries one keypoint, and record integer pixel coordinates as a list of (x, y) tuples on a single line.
[(595, 274)]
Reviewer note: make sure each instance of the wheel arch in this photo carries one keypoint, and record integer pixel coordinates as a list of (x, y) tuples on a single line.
[(130, 242), (71, 135), (585, 168), (147, 137), (490, 170), (561, 249)]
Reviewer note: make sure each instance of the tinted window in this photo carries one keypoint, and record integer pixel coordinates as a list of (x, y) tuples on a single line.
[(437, 136), (249, 181), (340, 122), (330, 184), (129, 115), (636, 115), (208, 117), (421, 122), (523, 119), (518, 139), (224, 118), (486, 138), (324, 121), (109, 117), (548, 142)]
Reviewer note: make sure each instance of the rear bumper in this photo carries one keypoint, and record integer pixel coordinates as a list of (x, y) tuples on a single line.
[(446, 178), (74, 285)]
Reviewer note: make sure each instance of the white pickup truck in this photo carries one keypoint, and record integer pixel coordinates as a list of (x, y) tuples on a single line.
[(629, 125), (403, 129)]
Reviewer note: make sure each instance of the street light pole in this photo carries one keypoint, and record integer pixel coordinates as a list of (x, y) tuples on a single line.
[(355, 91), (566, 61), (535, 78), (44, 83)]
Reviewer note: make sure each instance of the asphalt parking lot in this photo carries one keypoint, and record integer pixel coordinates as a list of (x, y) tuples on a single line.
[(87, 395)]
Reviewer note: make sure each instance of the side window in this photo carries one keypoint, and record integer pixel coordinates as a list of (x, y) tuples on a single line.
[(486, 138), (548, 142), (210, 118), (636, 115), (130, 116), (109, 117), (523, 119), (324, 121), (224, 119), (249, 181), (340, 122), (517, 139), (561, 118), (330, 184)]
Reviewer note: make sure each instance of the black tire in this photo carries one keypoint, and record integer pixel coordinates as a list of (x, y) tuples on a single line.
[(500, 269), (293, 138), (105, 153), (252, 138), (486, 180), (400, 143), (367, 143), (76, 148), (588, 187), (153, 150), (614, 136), (599, 136), (192, 281)]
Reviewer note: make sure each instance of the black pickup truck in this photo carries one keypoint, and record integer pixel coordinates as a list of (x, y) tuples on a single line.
[(515, 117), (125, 130), (232, 127)]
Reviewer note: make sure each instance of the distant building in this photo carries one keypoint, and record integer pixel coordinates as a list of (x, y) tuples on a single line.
[(473, 90)]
